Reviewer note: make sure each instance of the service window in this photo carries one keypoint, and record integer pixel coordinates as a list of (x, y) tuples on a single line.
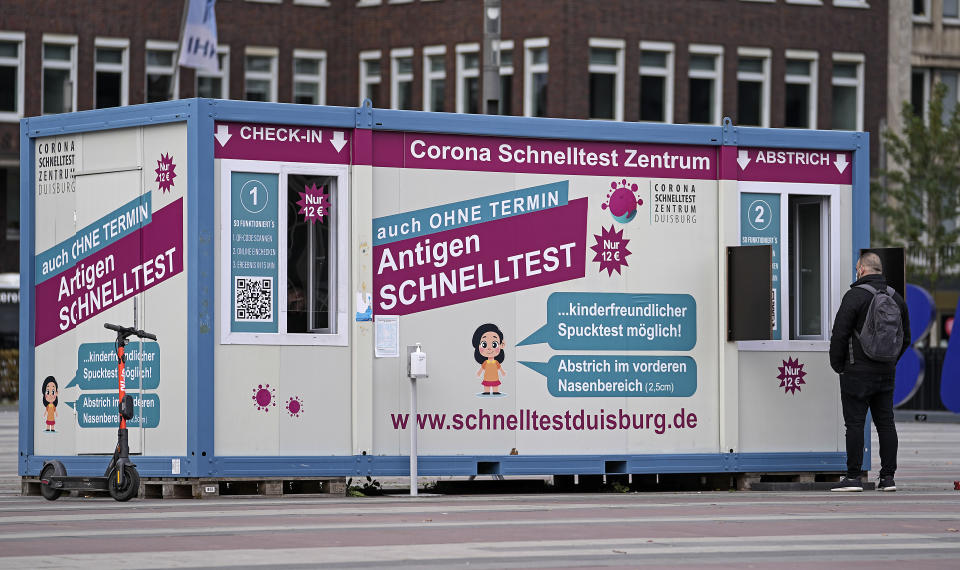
[(283, 253)]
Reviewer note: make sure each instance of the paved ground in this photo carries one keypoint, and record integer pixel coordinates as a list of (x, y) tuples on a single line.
[(916, 527)]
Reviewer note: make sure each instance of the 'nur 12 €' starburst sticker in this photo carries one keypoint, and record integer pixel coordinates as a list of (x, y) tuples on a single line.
[(611, 250), (314, 203), (791, 375), (166, 172)]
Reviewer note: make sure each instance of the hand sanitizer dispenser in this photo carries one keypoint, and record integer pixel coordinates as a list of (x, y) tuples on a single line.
[(416, 362)]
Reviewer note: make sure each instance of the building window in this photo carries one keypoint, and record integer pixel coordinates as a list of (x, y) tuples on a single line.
[(11, 76), (951, 11), (950, 80), (847, 92), (536, 67), (606, 79), (401, 78), (468, 78), (809, 266), (705, 82), (59, 74), (111, 67), (309, 77), (800, 93), (919, 91), (505, 106), (753, 87), (260, 74), (162, 84), (921, 10), (656, 82), (434, 78), (216, 84), (370, 76)]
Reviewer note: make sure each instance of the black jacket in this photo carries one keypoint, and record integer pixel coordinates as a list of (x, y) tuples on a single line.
[(850, 317)]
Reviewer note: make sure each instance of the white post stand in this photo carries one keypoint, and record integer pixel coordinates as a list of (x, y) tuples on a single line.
[(413, 436)]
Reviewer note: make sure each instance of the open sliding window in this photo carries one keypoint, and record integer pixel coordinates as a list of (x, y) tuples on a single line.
[(283, 264)]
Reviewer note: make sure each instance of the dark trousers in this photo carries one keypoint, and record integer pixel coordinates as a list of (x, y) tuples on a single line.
[(857, 397)]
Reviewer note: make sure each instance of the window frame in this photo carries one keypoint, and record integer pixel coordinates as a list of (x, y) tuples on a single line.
[(396, 54), (173, 71), (668, 73), (123, 67), (71, 66), (765, 55), (617, 70), (810, 81), (320, 56), (223, 74), (716, 75), (530, 69), (430, 52), (860, 60), (365, 82), (924, 18), (464, 74), (340, 239), (950, 20), (18, 38), (271, 76), (825, 268), (505, 71)]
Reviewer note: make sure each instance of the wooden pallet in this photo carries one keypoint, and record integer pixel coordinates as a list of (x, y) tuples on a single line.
[(194, 488)]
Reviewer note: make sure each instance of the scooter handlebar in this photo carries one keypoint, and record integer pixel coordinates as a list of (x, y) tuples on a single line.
[(130, 331)]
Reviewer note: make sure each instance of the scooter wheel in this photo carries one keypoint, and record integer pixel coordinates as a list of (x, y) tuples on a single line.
[(130, 486), (49, 493)]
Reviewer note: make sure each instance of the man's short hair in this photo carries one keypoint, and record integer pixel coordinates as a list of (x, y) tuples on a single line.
[(870, 262)]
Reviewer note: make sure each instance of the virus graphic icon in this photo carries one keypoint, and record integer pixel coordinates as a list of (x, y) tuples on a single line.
[(166, 172), (622, 201), (294, 406), (791, 375), (611, 250), (314, 203), (264, 397)]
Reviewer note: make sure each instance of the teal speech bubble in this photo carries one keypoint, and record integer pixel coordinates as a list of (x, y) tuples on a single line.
[(102, 411), (97, 366), (625, 376), (618, 321)]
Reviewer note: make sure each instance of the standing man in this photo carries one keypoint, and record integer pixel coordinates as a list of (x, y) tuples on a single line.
[(866, 357)]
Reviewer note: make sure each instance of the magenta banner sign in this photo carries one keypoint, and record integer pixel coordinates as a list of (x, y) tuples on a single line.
[(481, 260), (547, 156), (128, 266), (290, 143), (786, 165)]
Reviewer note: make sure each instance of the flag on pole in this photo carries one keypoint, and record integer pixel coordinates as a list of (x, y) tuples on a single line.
[(198, 46)]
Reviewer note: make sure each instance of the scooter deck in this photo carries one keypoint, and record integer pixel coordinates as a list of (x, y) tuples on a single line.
[(77, 483)]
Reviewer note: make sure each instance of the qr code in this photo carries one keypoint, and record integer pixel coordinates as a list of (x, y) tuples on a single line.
[(253, 299)]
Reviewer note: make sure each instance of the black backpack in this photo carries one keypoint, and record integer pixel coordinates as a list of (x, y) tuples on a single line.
[(882, 334)]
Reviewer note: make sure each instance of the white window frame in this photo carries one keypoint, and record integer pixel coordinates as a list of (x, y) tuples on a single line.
[(464, 74), (429, 75), (341, 238), (320, 79), (505, 70), (950, 21), (852, 4), (925, 17), (617, 70), (666, 72), (71, 65), (716, 75), (764, 54), (365, 81), (319, 3), (123, 67), (927, 74), (272, 76), (860, 60), (367, 3), (805, 2), (18, 38), (530, 69), (810, 81), (223, 74), (396, 54), (173, 71)]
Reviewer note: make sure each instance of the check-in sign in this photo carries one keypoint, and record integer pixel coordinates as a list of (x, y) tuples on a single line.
[(786, 165), (289, 143)]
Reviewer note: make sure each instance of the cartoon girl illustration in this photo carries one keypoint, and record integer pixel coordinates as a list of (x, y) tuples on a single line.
[(488, 352), (50, 391)]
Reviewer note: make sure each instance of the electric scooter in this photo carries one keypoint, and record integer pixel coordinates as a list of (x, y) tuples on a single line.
[(120, 479)]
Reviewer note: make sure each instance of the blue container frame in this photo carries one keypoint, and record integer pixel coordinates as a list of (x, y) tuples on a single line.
[(200, 115)]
